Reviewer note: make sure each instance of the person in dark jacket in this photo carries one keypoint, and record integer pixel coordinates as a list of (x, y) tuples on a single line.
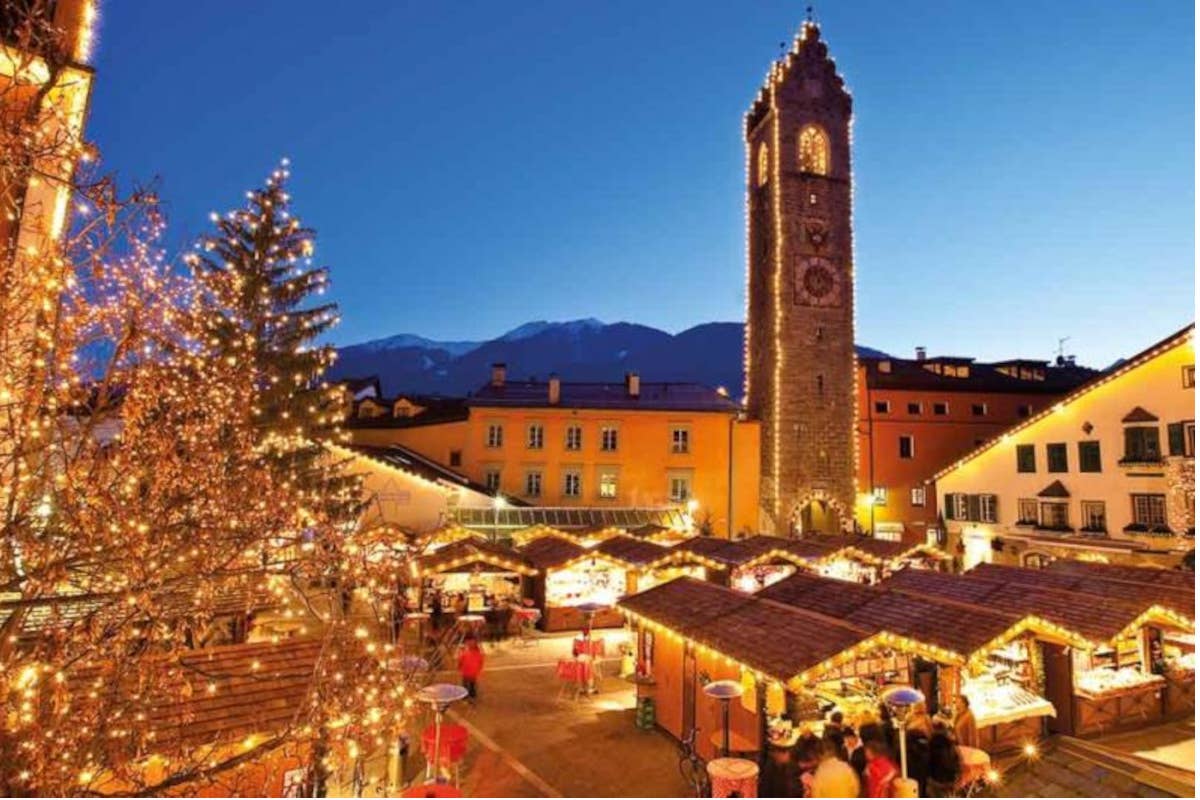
[(945, 765)]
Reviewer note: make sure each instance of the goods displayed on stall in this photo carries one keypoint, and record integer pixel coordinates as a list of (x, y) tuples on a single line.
[(468, 577)]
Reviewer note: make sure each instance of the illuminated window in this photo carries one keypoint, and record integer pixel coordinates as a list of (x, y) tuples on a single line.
[(764, 164), (608, 485), (814, 150)]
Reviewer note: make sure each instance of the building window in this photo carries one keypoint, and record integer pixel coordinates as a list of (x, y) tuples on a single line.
[(1181, 438), (941, 409), (1092, 516), (1054, 516), (961, 507), (680, 489), (1056, 457), (533, 484), (491, 479), (914, 408), (572, 483), (456, 458), (679, 440), (608, 485), (1026, 458), (608, 439), (1189, 376), (1141, 444), (987, 508), (1027, 511), (979, 409), (879, 495), (1024, 410), (813, 148), (536, 438), (1149, 510), (495, 435), (917, 496), (764, 164), (574, 437), (1089, 457), (882, 407), (907, 447)]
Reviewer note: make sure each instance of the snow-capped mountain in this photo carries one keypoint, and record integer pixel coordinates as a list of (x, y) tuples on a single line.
[(577, 350)]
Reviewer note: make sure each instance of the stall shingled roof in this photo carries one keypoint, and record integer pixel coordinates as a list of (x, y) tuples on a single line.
[(550, 552), (777, 640), (1181, 600), (1122, 572), (825, 595), (630, 550), (1097, 618), (467, 554)]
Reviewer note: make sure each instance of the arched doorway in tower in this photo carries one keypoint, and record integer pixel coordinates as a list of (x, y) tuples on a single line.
[(816, 514)]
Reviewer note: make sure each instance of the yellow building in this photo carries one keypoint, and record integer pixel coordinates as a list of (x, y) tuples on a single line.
[(565, 444), (1105, 474)]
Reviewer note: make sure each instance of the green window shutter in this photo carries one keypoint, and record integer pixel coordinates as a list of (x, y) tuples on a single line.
[(949, 511), (1175, 438), (1089, 457), (1026, 458)]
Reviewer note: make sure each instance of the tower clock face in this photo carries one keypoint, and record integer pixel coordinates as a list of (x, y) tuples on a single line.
[(818, 282)]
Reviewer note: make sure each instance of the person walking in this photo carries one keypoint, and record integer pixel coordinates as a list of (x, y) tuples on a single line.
[(945, 765), (833, 776), (470, 666), (881, 770)]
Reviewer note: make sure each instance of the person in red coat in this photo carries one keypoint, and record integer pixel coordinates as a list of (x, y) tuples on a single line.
[(881, 772), (470, 665)]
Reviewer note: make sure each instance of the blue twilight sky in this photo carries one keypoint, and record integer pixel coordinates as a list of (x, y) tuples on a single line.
[(1024, 170)]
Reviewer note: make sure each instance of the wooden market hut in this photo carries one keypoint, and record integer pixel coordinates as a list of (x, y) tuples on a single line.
[(1137, 665), (475, 569), (644, 560), (720, 558), (447, 535), (570, 576), (691, 632), (232, 701)]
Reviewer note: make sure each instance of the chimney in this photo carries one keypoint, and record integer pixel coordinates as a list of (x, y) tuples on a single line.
[(920, 353), (633, 384), (555, 389), (499, 372)]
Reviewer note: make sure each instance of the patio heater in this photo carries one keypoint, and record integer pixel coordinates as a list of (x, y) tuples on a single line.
[(439, 696), (589, 611), (725, 691), (901, 700)]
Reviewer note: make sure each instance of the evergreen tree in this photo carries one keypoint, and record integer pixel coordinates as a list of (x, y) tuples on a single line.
[(258, 268)]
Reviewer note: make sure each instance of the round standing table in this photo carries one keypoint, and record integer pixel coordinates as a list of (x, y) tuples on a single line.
[(730, 775)]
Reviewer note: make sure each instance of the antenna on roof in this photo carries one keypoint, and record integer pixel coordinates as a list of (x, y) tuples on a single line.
[(1061, 359)]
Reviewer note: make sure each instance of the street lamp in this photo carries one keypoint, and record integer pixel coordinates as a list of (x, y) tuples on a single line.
[(901, 700), (725, 691)]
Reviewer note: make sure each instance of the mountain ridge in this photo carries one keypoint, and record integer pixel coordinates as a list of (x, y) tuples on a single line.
[(576, 350)]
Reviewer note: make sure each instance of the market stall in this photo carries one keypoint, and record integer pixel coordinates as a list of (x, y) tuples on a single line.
[(524, 536), (447, 535), (922, 556), (645, 562), (571, 578), (468, 577), (1130, 664), (775, 559)]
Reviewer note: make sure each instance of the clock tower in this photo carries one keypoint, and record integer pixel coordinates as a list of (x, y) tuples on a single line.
[(800, 288)]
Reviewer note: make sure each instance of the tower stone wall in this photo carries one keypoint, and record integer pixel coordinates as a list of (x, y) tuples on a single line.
[(800, 284)]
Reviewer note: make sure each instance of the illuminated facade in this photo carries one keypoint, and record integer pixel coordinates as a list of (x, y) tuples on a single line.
[(800, 368), (916, 416), (633, 444), (1105, 474)]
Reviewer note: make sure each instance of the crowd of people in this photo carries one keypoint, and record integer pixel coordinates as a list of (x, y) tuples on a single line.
[(845, 762)]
